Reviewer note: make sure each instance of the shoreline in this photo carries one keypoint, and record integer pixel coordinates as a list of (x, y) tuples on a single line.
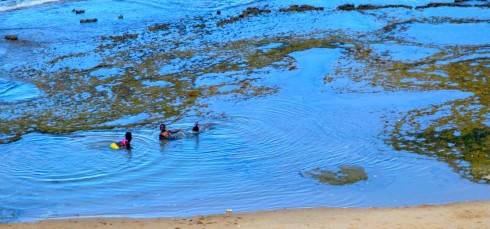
[(474, 214)]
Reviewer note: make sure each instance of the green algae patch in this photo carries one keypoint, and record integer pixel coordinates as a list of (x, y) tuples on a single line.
[(345, 175), (472, 147)]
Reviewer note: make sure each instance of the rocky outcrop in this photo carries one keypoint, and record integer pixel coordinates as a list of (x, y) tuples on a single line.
[(346, 7), (302, 8), (443, 4), (250, 11)]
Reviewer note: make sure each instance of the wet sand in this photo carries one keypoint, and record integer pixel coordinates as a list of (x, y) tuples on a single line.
[(458, 215)]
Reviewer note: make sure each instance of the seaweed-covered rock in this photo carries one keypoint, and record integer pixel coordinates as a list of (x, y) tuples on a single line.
[(159, 27), (122, 38), (11, 38), (346, 175), (250, 11), (88, 20), (302, 8)]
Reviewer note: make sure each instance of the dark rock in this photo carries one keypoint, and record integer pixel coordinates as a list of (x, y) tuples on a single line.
[(443, 4), (399, 6), (367, 7), (373, 7), (159, 27), (120, 17), (78, 11), (88, 20), (346, 7), (11, 38), (302, 8), (370, 7)]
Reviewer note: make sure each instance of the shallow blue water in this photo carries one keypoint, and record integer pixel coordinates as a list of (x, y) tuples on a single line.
[(251, 160)]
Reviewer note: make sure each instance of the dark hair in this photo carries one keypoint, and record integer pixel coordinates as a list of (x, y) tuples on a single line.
[(196, 127), (164, 127), (129, 137)]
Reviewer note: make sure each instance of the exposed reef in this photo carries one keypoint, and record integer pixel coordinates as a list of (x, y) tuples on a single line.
[(250, 11), (361, 7), (348, 7), (302, 8)]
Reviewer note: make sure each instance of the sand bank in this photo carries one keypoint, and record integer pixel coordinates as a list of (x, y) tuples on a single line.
[(458, 215)]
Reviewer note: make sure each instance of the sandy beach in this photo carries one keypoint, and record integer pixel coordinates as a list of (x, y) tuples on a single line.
[(457, 215)]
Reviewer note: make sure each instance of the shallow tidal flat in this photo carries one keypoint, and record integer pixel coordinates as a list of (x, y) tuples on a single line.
[(351, 105)]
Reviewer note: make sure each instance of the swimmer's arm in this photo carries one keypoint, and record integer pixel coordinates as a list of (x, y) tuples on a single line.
[(175, 131)]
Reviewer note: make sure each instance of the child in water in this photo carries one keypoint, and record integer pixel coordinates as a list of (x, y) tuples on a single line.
[(195, 129), (165, 134), (126, 143)]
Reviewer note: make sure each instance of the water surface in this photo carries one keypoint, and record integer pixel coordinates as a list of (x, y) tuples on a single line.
[(296, 113)]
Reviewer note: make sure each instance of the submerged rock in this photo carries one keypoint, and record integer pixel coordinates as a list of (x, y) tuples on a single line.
[(302, 8), (346, 175), (11, 38), (88, 20)]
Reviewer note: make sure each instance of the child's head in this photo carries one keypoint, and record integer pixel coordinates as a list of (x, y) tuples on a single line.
[(162, 127), (129, 136), (196, 127)]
